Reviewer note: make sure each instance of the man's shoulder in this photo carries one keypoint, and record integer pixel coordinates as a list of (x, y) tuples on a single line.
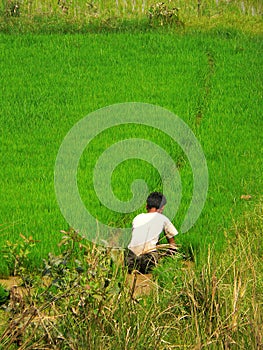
[(146, 218), (141, 215), (163, 217)]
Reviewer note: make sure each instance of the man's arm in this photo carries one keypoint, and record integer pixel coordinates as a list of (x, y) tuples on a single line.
[(170, 233), (172, 243)]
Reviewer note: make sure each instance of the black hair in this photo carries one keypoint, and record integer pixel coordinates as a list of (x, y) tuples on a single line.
[(155, 200)]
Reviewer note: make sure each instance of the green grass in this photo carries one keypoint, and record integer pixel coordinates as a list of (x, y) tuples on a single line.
[(49, 82)]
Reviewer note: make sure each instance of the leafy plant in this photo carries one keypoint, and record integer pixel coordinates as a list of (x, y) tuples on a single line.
[(4, 294), (16, 255)]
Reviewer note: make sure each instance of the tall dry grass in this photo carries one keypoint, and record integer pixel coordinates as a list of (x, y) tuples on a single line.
[(81, 300), (126, 8)]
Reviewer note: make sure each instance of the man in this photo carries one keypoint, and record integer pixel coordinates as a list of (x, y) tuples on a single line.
[(147, 227)]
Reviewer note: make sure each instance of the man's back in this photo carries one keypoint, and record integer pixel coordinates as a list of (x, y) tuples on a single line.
[(142, 254), (146, 230)]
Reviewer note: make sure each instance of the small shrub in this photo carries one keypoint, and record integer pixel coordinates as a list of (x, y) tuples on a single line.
[(16, 255), (161, 14), (4, 294)]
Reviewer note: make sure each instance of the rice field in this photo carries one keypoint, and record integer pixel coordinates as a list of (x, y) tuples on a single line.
[(212, 81), (167, 106)]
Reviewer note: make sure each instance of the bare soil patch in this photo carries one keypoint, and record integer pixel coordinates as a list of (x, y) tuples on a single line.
[(10, 282)]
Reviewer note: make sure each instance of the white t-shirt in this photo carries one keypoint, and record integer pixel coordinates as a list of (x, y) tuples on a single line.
[(146, 230)]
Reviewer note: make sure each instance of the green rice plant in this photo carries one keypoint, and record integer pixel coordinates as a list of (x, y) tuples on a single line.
[(211, 80)]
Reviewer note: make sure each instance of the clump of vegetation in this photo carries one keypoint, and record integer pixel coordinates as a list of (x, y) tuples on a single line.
[(81, 300), (16, 255), (162, 14), (12, 8), (4, 294)]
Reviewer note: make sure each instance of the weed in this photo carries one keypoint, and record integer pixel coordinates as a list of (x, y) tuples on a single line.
[(16, 255), (162, 14), (4, 294)]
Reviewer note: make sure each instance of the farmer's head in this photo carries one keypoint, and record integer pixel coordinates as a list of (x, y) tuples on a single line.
[(156, 200)]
